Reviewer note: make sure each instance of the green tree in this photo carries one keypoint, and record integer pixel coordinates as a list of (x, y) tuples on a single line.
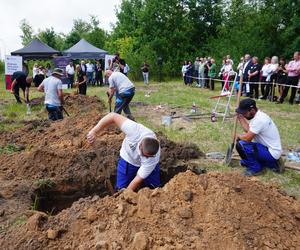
[(27, 32)]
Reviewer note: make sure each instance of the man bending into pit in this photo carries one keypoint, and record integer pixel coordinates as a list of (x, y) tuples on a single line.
[(123, 88), (20, 80), (266, 150), (138, 165)]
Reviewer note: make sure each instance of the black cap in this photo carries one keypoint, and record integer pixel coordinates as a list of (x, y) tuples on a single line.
[(246, 105)]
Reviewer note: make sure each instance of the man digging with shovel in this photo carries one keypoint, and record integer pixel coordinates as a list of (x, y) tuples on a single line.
[(266, 150), (138, 165), (124, 89)]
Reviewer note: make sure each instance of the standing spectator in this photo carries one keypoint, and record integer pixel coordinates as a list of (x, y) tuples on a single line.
[(35, 70), (98, 74), (240, 66), (226, 74), (83, 66), (189, 73), (52, 86), (254, 74), (196, 70), (272, 78), (81, 80), (265, 79), (126, 69), (39, 77), (107, 67), (221, 73), (48, 70), (183, 70), (228, 58), (281, 75), (118, 64), (293, 69), (246, 68), (206, 80), (212, 73), (201, 73), (89, 73), (70, 72), (145, 72)]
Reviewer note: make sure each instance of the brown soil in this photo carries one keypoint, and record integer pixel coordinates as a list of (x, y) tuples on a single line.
[(211, 211), (54, 167)]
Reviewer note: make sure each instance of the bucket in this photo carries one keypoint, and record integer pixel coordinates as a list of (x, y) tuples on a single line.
[(166, 120)]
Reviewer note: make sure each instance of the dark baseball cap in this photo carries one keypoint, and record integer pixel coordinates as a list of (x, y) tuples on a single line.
[(246, 105)]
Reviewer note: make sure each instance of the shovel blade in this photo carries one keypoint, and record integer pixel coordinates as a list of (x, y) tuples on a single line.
[(229, 154)]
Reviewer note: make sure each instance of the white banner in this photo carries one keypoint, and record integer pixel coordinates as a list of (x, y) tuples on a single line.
[(13, 64)]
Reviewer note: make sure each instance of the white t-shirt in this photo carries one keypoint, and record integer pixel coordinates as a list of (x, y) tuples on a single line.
[(89, 67), (266, 133), (120, 82), (70, 70), (130, 150), (51, 86), (266, 70)]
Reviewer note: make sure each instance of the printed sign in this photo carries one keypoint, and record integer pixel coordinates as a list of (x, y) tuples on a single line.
[(13, 64), (62, 62)]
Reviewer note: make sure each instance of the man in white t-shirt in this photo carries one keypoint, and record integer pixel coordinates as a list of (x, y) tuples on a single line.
[(266, 150), (70, 71), (52, 86), (124, 89), (138, 165)]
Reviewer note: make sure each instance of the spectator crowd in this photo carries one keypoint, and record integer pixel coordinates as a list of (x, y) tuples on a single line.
[(260, 78)]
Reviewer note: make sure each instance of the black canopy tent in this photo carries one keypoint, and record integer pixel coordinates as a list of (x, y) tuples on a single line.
[(36, 50), (85, 50)]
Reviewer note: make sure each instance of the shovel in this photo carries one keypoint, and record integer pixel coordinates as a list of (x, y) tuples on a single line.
[(109, 103), (232, 145)]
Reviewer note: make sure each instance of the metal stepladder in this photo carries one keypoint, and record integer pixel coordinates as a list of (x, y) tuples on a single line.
[(222, 106)]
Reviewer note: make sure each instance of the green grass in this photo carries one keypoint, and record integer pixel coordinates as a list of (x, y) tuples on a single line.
[(207, 135)]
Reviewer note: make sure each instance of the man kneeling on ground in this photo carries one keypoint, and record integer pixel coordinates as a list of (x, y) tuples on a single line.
[(266, 150), (52, 86), (138, 165)]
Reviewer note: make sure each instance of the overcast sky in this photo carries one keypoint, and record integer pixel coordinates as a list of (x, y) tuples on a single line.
[(58, 14)]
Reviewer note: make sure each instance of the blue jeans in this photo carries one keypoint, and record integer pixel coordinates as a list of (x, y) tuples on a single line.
[(255, 156), (54, 112), (123, 100), (89, 77), (126, 173)]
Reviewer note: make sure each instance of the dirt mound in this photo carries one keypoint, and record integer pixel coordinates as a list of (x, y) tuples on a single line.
[(211, 211), (47, 166)]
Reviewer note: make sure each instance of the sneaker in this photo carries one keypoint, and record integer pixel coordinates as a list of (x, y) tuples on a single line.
[(250, 173), (280, 166)]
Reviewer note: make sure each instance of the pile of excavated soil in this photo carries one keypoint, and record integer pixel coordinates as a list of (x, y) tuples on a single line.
[(210, 211), (55, 164)]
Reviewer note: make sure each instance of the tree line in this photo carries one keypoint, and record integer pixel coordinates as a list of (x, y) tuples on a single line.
[(177, 30)]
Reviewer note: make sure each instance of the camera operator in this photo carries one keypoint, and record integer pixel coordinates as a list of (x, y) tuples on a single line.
[(118, 64)]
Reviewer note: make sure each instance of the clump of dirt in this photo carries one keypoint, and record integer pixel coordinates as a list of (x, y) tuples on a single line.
[(55, 166), (211, 211)]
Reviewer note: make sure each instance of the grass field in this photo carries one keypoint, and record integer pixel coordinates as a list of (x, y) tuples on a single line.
[(173, 96)]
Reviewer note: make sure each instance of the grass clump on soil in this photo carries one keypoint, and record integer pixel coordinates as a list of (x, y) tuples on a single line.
[(9, 148)]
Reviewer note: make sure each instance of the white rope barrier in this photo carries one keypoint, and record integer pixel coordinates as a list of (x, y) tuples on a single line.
[(254, 83)]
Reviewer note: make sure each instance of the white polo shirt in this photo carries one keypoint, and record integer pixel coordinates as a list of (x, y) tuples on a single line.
[(266, 132), (130, 150), (70, 70), (51, 86)]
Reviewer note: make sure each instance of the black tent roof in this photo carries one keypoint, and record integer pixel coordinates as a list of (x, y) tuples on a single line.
[(36, 50), (85, 50)]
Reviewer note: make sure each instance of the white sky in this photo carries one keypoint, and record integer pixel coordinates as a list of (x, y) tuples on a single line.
[(58, 14)]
